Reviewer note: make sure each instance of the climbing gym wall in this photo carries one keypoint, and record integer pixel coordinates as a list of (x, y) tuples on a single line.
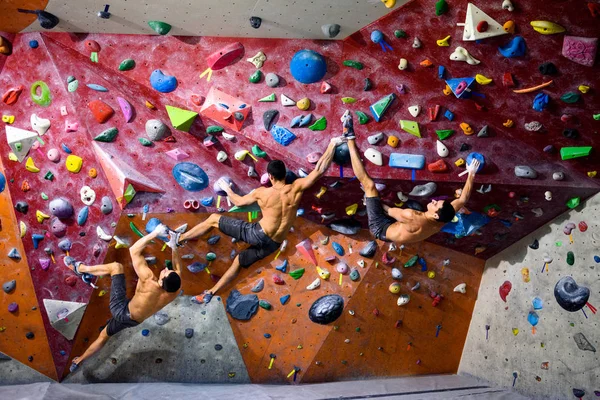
[(105, 129), (551, 350)]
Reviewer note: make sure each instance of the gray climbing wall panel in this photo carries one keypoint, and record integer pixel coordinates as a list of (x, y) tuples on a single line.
[(13, 372), (166, 355), (503, 353)]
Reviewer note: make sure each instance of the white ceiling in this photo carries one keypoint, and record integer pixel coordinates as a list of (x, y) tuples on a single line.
[(230, 18)]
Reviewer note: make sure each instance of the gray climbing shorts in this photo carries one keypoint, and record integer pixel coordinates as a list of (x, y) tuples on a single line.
[(119, 307), (260, 244), (379, 221)]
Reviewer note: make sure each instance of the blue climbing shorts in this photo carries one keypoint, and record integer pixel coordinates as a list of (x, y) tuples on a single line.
[(119, 307), (379, 221), (252, 233)]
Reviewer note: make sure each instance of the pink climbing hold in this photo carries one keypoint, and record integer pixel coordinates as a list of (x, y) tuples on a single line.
[(581, 50), (305, 248), (505, 290), (177, 154), (278, 280), (71, 126), (125, 108), (45, 263)]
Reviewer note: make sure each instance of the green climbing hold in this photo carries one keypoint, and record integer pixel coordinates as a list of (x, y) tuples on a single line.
[(145, 142), (570, 258), (265, 304), (319, 125), (441, 7), (126, 64), (44, 196), (573, 202), (211, 256), (362, 117), (412, 261), (72, 85), (444, 133), (135, 229), (567, 153), (162, 28), (399, 33), (297, 273), (353, 64), (212, 129), (268, 98), (107, 136), (129, 193), (494, 207), (255, 77), (181, 119), (44, 98), (49, 176), (258, 152), (596, 117), (169, 264), (348, 100), (411, 127), (570, 97)]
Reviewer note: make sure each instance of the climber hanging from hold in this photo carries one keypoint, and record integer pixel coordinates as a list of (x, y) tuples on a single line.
[(399, 225), (151, 293), (278, 203)]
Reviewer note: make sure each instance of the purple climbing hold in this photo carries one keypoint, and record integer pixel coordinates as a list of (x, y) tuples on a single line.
[(9, 286), (65, 245), (13, 307), (61, 208), (57, 227), (44, 263), (196, 267)]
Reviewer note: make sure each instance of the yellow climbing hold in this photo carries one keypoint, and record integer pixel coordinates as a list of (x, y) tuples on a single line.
[(459, 163), (303, 104), (12, 156), (444, 42), (351, 209), (447, 90), (41, 216), (150, 105), (483, 80), (30, 165), (73, 163), (323, 273), (321, 192), (22, 228), (102, 293), (515, 331), (592, 174), (431, 274), (583, 89), (509, 123), (348, 100), (389, 3), (546, 27)]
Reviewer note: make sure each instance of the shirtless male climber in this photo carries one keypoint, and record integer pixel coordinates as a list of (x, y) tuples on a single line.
[(278, 205), (403, 226), (151, 293)]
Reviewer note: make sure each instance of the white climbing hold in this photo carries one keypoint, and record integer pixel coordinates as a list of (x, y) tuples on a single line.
[(416, 43), (221, 156), (103, 235), (414, 110), (228, 136), (258, 60), (40, 125), (441, 148), (374, 156), (252, 172), (403, 64), (361, 263), (462, 288), (396, 273), (376, 138), (508, 5), (461, 54), (316, 283), (88, 195), (402, 197), (286, 101), (403, 299), (548, 195)]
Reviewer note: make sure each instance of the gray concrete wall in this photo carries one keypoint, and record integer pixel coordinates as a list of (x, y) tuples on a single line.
[(503, 353)]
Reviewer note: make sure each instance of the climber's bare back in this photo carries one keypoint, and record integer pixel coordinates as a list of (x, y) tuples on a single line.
[(279, 206), (414, 227), (149, 298)]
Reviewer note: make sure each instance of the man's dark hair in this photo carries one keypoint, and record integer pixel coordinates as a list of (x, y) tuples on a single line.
[(446, 213), (277, 169), (172, 282)]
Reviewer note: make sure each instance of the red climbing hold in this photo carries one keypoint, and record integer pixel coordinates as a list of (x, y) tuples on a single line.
[(438, 166), (71, 280), (582, 226), (225, 56), (437, 298), (196, 99), (100, 110), (278, 280), (507, 80), (325, 87), (12, 95), (376, 312), (594, 9), (92, 46), (433, 112), (388, 259), (482, 26), (505, 290)]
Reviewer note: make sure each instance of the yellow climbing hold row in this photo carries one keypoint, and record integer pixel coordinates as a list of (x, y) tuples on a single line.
[(483, 80)]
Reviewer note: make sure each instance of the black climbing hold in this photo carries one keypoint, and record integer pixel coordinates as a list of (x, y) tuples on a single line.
[(158, 360), (414, 205), (290, 177), (242, 307), (218, 347), (465, 147), (213, 239), (238, 116), (113, 360), (46, 20), (342, 154), (22, 207), (82, 233), (255, 22), (535, 245), (569, 295), (369, 249), (346, 226), (368, 85), (583, 343), (9, 286), (336, 184), (579, 393), (571, 133), (269, 117), (29, 335), (548, 68), (189, 332), (499, 237), (30, 358), (326, 309)]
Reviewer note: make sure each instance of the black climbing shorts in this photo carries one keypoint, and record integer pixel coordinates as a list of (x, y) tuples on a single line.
[(260, 244), (379, 221), (119, 307)]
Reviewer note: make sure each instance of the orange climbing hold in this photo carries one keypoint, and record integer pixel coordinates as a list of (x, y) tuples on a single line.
[(426, 63), (393, 141), (466, 128), (100, 110), (25, 186), (150, 105), (509, 123), (438, 166), (92, 173)]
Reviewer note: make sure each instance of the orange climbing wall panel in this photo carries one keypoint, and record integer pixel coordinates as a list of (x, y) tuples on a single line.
[(28, 318), (13, 21)]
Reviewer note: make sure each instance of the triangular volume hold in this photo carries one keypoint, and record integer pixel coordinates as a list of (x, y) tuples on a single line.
[(65, 316), (478, 25), (20, 141), (124, 180), (181, 119), (305, 248), (460, 86)]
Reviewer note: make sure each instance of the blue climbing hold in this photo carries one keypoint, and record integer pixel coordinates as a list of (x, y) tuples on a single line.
[(82, 215), (2, 182), (207, 201), (196, 267), (533, 318), (161, 82), (213, 239), (37, 238), (283, 267), (145, 332), (284, 299), (449, 115), (479, 157), (295, 121), (65, 148), (506, 223), (267, 335), (538, 303), (597, 259), (338, 248), (308, 66), (376, 36), (96, 87), (515, 48), (33, 44), (14, 254), (300, 212), (540, 102), (281, 135), (305, 120), (190, 177), (422, 263), (441, 71)]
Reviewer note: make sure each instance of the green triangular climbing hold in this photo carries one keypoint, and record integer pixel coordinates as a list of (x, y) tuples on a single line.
[(162, 28), (380, 106), (268, 98), (319, 125), (107, 136), (251, 207), (411, 127), (444, 133), (129, 193), (181, 119), (567, 153)]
